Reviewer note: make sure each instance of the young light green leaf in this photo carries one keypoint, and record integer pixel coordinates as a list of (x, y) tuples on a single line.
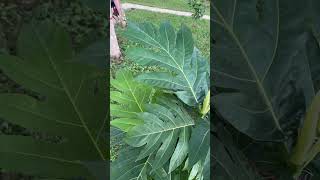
[(130, 99), (206, 105), (194, 171), (307, 146), (125, 123)]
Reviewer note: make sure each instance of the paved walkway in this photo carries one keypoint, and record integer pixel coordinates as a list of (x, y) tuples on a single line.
[(127, 6)]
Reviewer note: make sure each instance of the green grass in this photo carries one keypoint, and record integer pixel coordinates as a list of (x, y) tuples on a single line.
[(199, 28), (181, 5)]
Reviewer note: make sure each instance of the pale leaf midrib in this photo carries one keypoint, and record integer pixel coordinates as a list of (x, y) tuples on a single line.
[(154, 141), (48, 157), (166, 130), (132, 93), (168, 117), (39, 80), (179, 68), (79, 89), (254, 73), (144, 164), (233, 77), (172, 82), (45, 117), (156, 59), (125, 111), (128, 171), (119, 96), (68, 93), (102, 127)]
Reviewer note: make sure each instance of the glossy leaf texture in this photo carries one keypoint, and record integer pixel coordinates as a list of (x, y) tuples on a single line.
[(261, 54), (71, 107), (187, 72), (129, 99)]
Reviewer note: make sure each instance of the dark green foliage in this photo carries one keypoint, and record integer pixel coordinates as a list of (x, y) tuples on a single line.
[(79, 20), (72, 107), (199, 8), (83, 23), (229, 162), (266, 70)]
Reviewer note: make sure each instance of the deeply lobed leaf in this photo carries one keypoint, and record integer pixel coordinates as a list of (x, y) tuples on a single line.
[(71, 108), (130, 99), (163, 125), (188, 71)]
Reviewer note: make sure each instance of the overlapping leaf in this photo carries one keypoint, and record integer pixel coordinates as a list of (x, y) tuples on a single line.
[(164, 126), (263, 59), (199, 170), (127, 167), (130, 99), (229, 162), (188, 74), (72, 107), (163, 139), (313, 44), (200, 141)]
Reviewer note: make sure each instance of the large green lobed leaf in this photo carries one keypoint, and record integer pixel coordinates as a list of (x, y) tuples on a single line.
[(72, 107), (164, 144), (127, 167), (260, 53), (129, 99), (187, 72), (164, 134), (163, 125)]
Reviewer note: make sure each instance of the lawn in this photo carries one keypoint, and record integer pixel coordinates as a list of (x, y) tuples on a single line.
[(199, 28), (181, 5)]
